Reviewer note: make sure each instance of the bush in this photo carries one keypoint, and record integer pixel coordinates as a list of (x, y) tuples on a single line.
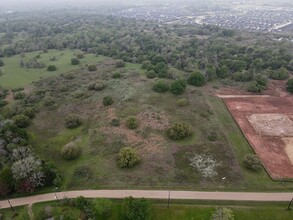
[(132, 122), (290, 85), (116, 75), (29, 112), (70, 152), (107, 100), (252, 162), (255, 87), (135, 209), (49, 101), (120, 63), (178, 87), (1, 63), (21, 121), (98, 86), (280, 74), (196, 79), (75, 61), (51, 68), (151, 74), (161, 86), (182, 102), (179, 130), (103, 207), (72, 121), (115, 122), (3, 103), (92, 67), (80, 55), (19, 95), (127, 157)]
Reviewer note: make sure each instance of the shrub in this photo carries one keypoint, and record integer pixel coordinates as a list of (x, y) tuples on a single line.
[(19, 95), (49, 101), (3, 103), (70, 151), (75, 61), (29, 112), (1, 62), (72, 121), (21, 121), (103, 207), (135, 209), (115, 122), (178, 87), (151, 74), (107, 100), (92, 67), (116, 75), (290, 85), (98, 86), (51, 68), (127, 157), (161, 86), (280, 74), (182, 102), (255, 87), (80, 55), (132, 122), (196, 79), (120, 63), (179, 130), (252, 162)]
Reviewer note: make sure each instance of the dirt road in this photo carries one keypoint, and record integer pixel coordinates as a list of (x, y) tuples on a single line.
[(152, 194)]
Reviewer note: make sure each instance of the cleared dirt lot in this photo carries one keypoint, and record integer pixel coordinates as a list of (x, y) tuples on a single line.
[(267, 123)]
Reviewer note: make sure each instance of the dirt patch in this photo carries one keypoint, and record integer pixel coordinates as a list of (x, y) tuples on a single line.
[(264, 120), (153, 120), (289, 147), (278, 125)]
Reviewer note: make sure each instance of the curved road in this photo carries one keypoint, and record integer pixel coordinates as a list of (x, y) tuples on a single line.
[(152, 194)]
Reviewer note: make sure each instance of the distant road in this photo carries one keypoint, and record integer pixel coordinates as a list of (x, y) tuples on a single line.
[(152, 194)]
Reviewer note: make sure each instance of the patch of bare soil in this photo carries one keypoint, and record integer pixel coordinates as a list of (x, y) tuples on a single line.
[(279, 125), (9, 98), (153, 120), (277, 88)]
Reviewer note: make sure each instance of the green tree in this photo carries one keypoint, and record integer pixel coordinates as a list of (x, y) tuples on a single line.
[(75, 61), (70, 151), (178, 87), (179, 130), (132, 122), (21, 121), (51, 68), (161, 86), (127, 157), (223, 214), (196, 79), (252, 162), (135, 209), (107, 100), (72, 121), (290, 85), (103, 207)]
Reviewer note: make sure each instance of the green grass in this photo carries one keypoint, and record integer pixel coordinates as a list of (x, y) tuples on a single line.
[(161, 211), (253, 180), (14, 76)]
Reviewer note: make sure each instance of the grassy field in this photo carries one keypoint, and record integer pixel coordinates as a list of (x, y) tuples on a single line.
[(14, 76), (160, 211)]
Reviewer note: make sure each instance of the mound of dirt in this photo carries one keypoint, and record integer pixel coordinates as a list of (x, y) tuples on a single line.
[(277, 125)]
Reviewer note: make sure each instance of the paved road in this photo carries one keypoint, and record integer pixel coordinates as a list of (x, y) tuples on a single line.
[(152, 194)]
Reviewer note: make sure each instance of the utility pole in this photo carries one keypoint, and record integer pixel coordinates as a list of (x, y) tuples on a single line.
[(290, 204), (55, 189), (169, 198), (10, 204)]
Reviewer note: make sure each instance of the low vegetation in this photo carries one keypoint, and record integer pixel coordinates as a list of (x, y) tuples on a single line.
[(128, 157)]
